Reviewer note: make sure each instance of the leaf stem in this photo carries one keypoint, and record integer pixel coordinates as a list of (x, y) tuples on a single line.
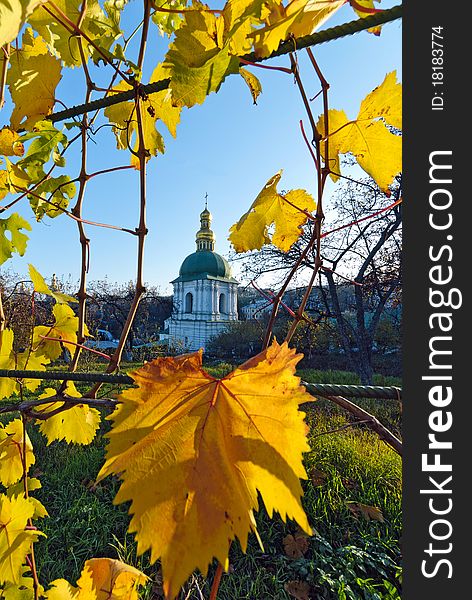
[(216, 581), (268, 67), (76, 344), (3, 76)]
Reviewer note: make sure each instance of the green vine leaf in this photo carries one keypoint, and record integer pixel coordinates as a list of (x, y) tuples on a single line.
[(17, 240), (45, 145), (13, 15), (52, 196), (168, 22), (103, 29)]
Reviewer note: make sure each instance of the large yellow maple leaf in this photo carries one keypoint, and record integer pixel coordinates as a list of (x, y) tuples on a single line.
[(194, 452), (288, 212), (377, 149)]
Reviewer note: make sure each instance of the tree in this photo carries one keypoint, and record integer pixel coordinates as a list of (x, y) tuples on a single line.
[(110, 304), (361, 274), (239, 340)]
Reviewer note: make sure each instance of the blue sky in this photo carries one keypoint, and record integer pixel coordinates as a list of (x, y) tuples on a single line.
[(228, 148)]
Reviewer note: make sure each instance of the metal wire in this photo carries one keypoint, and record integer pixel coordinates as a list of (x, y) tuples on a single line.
[(322, 389), (332, 33), (354, 391)]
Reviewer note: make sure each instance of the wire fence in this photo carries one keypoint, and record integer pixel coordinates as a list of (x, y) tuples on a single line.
[(323, 389)]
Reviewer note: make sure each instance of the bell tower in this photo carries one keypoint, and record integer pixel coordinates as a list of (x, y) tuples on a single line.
[(205, 237), (205, 293)]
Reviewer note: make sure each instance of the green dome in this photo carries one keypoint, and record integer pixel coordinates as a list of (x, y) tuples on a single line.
[(205, 262)]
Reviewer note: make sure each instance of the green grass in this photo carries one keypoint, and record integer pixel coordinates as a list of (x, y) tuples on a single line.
[(348, 558)]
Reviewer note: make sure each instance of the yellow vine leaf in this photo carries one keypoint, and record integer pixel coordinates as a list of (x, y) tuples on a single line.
[(32, 79), (15, 542), (4, 184), (12, 443), (252, 82), (41, 287), (61, 590), (18, 489), (369, 4), (198, 60), (34, 362), (377, 150), (240, 17), (65, 328), (10, 144), (7, 361), (20, 360), (101, 579), (101, 28), (16, 240), (193, 452), (315, 13), (123, 117), (298, 18), (76, 425), (108, 579), (23, 590), (13, 14), (288, 212), (13, 179)]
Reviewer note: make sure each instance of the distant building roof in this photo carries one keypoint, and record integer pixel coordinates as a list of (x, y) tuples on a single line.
[(205, 263)]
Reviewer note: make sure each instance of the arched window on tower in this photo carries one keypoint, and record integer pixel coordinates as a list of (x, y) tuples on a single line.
[(189, 303), (222, 304)]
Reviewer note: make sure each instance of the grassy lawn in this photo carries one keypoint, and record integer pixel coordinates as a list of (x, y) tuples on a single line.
[(348, 557)]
